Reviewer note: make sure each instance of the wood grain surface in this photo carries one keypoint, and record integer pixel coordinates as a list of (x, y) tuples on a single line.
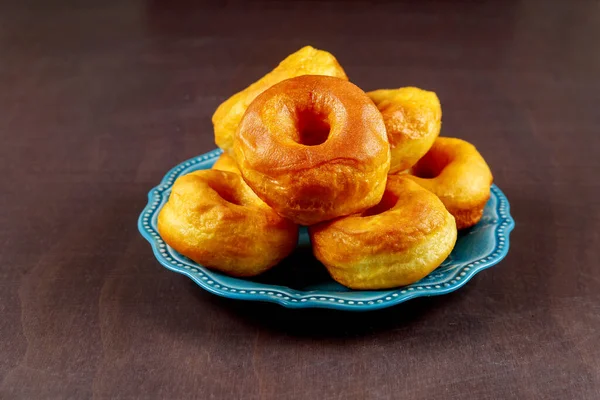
[(99, 99)]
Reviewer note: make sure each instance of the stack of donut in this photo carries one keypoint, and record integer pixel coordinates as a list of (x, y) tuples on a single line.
[(381, 193)]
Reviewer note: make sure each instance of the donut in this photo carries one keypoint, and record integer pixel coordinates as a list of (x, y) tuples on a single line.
[(395, 243), (213, 218), (306, 61), (226, 163), (314, 148), (413, 119), (454, 170)]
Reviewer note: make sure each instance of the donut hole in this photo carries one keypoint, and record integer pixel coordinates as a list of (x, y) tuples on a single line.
[(227, 192), (388, 201), (425, 171), (312, 128), (430, 167), (231, 197)]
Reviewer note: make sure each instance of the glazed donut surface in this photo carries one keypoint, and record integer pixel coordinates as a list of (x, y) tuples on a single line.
[(454, 170), (314, 148), (225, 162), (213, 218), (306, 61), (396, 243), (413, 119)]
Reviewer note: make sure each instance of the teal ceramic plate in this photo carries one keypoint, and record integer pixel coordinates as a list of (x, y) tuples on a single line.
[(301, 281)]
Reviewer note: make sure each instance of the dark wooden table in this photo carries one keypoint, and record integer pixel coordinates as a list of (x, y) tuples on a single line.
[(97, 101)]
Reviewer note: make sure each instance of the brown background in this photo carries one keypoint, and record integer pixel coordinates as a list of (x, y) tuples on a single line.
[(98, 101)]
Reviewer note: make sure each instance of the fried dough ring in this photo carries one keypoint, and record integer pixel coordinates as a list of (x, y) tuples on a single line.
[(454, 170), (306, 61), (314, 148), (396, 243), (213, 218), (226, 163), (413, 119)]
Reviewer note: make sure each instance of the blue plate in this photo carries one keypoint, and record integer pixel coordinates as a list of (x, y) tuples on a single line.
[(302, 282)]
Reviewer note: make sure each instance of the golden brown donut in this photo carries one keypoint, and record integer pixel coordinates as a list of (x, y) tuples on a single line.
[(454, 170), (413, 119), (306, 61), (314, 148), (397, 242), (213, 218), (226, 163)]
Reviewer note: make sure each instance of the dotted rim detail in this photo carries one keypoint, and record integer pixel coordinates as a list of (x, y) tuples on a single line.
[(292, 298)]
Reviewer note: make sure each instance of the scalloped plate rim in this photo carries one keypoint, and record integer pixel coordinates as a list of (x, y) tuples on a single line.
[(292, 298)]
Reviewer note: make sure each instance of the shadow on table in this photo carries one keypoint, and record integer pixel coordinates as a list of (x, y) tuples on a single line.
[(327, 323)]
